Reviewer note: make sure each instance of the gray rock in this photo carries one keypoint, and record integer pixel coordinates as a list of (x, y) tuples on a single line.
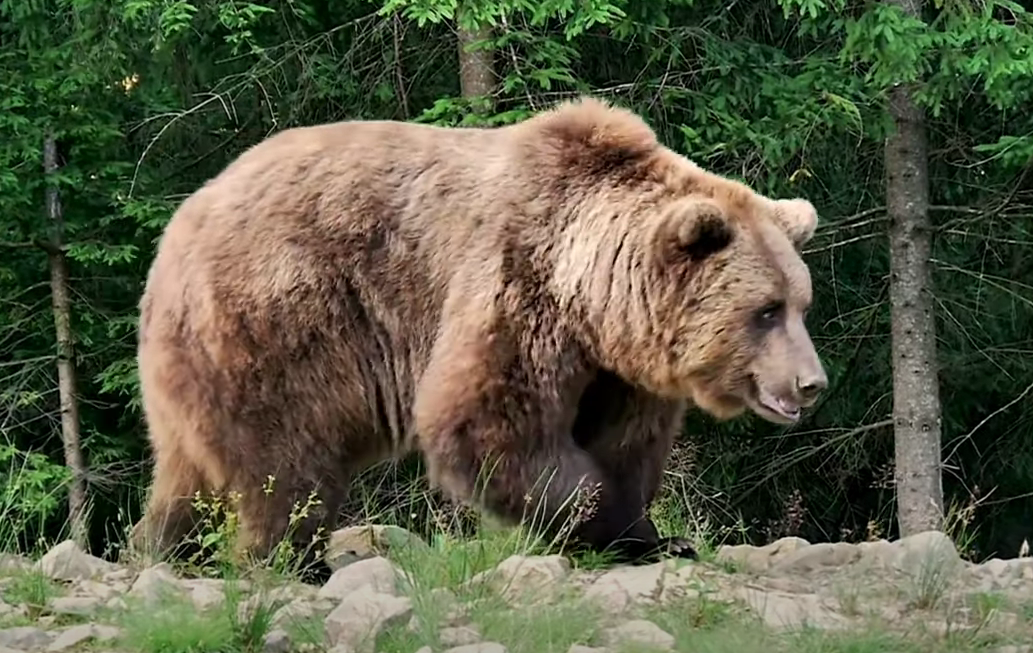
[(782, 610), (104, 633), (619, 588), (204, 592), (483, 647), (518, 577), (639, 631), (377, 573), (13, 563), (347, 546), (276, 641), (67, 562), (26, 638), (7, 610), (75, 605), (761, 558), (816, 556), (927, 552), (362, 615), (155, 584), (459, 636), (295, 611), (101, 590), (72, 636)]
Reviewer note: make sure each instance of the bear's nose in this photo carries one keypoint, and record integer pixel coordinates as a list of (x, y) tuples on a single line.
[(811, 385)]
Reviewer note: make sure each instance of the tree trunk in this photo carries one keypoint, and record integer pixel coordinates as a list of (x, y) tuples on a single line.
[(916, 400), (67, 392), (476, 67)]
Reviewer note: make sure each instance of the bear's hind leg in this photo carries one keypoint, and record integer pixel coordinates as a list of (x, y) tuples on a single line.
[(170, 514), (281, 522)]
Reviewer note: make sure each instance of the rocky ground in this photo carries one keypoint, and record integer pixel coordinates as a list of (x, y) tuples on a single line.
[(393, 593)]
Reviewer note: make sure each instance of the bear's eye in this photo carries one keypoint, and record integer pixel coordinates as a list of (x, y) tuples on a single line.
[(768, 315)]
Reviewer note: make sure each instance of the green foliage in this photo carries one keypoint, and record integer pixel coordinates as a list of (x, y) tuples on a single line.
[(149, 98), (33, 493)]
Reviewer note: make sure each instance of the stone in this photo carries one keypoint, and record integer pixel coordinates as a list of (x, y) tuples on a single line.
[(75, 605), (759, 559), (483, 647), (639, 631), (72, 636), (7, 610), (448, 603), (816, 556), (578, 648), (118, 573), (362, 615), (273, 600), (276, 641), (790, 585), (12, 563), (782, 610), (377, 573), (26, 638), (347, 546), (293, 612), (998, 569), (927, 553), (876, 553), (102, 591), (67, 562), (204, 593), (619, 588), (519, 577), (104, 633), (155, 584), (459, 635)]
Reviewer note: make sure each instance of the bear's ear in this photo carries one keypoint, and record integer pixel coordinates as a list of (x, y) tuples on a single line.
[(694, 230), (797, 218)]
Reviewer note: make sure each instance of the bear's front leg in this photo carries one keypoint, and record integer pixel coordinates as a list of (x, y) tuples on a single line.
[(494, 430), (629, 433), (504, 460)]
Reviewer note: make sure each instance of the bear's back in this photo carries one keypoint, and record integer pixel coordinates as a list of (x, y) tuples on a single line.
[(379, 211)]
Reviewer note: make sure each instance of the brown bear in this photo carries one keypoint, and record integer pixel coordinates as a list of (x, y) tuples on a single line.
[(530, 307)]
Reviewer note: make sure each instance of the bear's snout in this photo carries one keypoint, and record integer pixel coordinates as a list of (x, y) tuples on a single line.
[(810, 385)]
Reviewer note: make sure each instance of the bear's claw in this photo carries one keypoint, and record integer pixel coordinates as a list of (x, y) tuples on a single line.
[(678, 547)]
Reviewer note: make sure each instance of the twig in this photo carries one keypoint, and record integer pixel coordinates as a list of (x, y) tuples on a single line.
[(963, 438)]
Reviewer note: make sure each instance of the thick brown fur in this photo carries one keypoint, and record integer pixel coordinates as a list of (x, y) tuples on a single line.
[(530, 304)]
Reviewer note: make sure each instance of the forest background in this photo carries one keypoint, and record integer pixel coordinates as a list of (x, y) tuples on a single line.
[(908, 125)]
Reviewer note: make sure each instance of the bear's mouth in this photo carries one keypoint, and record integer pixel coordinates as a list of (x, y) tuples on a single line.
[(775, 409)]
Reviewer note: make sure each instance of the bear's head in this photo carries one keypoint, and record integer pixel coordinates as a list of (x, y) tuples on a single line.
[(684, 282), (722, 278)]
